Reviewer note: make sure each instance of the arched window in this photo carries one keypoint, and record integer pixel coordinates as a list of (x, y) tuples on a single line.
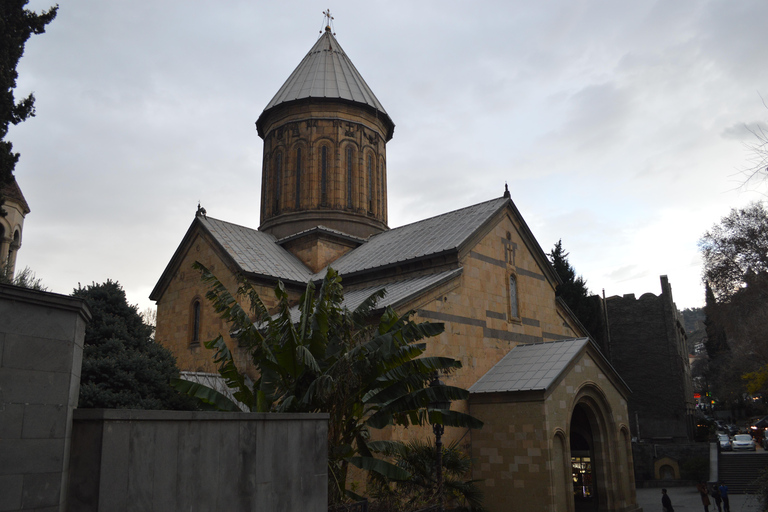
[(298, 178), (278, 181), (513, 305), (196, 322), (350, 156), (323, 175), (370, 183)]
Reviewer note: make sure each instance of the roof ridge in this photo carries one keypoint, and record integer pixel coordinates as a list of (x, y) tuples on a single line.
[(208, 217), (472, 206)]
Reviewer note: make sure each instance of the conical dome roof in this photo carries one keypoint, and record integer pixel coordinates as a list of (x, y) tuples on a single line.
[(326, 73)]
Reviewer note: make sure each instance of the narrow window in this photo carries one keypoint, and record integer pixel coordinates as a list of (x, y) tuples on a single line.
[(196, 322), (298, 178), (323, 176), (278, 181), (349, 176), (513, 296), (370, 183)]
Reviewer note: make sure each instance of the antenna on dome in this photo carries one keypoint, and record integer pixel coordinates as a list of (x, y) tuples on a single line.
[(328, 22)]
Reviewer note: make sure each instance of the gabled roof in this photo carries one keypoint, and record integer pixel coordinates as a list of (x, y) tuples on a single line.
[(12, 193), (256, 252), (430, 237), (538, 366), (532, 367), (326, 73), (397, 292)]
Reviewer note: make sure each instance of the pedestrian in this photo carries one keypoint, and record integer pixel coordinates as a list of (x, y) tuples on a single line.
[(666, 503), (702, 488), (724, 497), (715, 493)]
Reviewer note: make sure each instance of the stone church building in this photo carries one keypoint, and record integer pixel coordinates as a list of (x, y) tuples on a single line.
[(557, 433)]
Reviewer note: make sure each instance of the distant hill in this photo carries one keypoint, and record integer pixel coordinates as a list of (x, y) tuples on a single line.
[(693, 319)]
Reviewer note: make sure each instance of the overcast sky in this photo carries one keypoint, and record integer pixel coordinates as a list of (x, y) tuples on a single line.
[(619, 126)]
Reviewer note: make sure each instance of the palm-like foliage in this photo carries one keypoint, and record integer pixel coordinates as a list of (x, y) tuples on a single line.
[(418, 458), (333, 360)]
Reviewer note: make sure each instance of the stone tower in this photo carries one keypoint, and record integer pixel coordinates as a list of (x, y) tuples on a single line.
[(325, 161), (11, 225)]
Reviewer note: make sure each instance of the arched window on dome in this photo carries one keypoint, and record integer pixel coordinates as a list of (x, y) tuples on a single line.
[(323, 175), (278, 181), (350, 180), (298, 179), (370, 183)]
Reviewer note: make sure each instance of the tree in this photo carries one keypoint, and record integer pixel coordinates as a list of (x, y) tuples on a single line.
[(24, 278), (123, 368), (17, 24), (366, 374), (573, 290), (735, 250)]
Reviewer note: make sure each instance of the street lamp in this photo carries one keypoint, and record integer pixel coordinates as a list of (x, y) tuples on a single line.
[(439, 429)]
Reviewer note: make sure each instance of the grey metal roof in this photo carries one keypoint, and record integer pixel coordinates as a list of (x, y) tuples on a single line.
[(321, 229), (427, 237), (257, 252), (533, 367), (397, 292), (326, 72)]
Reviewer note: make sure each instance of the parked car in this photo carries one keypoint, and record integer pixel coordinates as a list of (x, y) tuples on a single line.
[(764, 440), (733, 429), (743, 442), (725, 442)]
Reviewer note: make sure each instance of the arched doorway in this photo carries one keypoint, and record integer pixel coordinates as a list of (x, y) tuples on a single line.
[(583, 462)]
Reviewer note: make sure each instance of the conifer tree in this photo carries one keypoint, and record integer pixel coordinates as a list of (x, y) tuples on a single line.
[(123, 367), (17, 24), (574, 291)]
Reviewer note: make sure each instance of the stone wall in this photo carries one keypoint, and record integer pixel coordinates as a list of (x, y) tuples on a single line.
[(684, 459), (198, 461), (41, 350), (648, 349)]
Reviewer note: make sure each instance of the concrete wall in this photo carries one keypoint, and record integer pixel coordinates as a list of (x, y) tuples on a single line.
[(125, 460), (41, 350)]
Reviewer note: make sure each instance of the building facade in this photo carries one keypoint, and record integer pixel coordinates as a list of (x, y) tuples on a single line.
[(479, 270)]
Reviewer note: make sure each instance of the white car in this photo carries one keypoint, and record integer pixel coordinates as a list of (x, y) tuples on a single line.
[(743, 442)]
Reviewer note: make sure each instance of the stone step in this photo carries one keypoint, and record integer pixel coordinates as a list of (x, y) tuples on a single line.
[(740, 470)]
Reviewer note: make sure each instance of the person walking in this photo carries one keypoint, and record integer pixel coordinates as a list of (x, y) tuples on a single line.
[(702, 488), (715, 493), (666, 503), (724, 497)]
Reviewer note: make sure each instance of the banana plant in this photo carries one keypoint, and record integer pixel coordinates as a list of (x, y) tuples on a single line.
[(365, 368)]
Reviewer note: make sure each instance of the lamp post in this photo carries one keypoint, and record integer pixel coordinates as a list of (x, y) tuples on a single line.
[(439, 429)]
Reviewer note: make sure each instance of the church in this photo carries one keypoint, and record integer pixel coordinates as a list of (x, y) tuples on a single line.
[(557, 432)]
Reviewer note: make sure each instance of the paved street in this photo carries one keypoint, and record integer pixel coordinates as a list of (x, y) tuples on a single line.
[(686, 499)]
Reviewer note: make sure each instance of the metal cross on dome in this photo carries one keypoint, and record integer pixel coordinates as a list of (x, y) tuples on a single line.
[(328, 21)]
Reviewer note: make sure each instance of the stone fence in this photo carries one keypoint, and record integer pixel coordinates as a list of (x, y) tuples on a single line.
[(55, 458), (126, 460)]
